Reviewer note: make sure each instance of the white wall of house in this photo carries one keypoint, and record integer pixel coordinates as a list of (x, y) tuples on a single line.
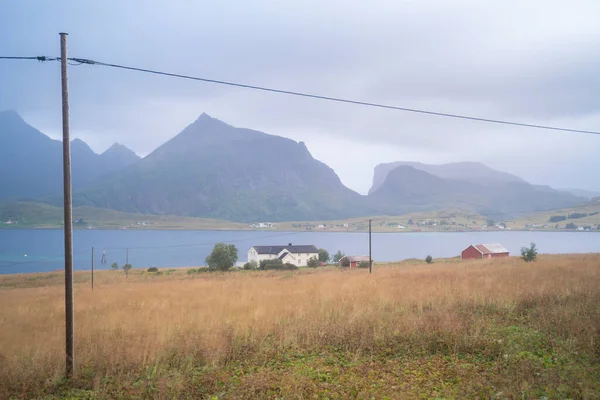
[(299, 259)]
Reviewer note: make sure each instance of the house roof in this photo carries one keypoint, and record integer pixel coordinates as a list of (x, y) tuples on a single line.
[(492, 248), (294, 249), (356, 258)]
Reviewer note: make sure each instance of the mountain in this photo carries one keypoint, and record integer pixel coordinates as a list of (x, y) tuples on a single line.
[(464, 171), (212, 169), (117, 157), (34, 160), (408, 189), (588, 194)]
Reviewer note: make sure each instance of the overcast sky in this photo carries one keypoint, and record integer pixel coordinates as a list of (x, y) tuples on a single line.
[(534, 61)]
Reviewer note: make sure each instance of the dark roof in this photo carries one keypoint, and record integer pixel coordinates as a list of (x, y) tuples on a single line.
[(309, 248)]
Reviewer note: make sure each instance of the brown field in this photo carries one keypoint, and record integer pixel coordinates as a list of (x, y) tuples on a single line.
[(488, 329)]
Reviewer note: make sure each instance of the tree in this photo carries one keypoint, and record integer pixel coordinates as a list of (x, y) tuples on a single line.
[(337, 256), (570, 225), (323, 255), (313, 263), (429, 260), (115, 266), (363, 264), (222, 257), (126, 268), (345, 262), (490, 222), (529, 254), (410, 221)]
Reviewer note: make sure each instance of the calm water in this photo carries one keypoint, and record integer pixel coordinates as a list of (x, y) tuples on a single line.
[(41, 250)]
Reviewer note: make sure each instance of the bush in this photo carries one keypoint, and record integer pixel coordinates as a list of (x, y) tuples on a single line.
[(289, 267), (557, 218), (529, 254), (152, 269), (275, 263), (429, 260), (251, 266), (191, 271), (363, 264), (313, 263), (345, 262)]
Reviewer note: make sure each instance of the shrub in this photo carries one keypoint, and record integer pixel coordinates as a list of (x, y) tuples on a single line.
[(363, 264), (289, 266), (252, 265), (313, 263), (273, 264), (529, 254), (557, 218), (191, 271), (152, 269), (115, 266), (345, 262), (429, 260)]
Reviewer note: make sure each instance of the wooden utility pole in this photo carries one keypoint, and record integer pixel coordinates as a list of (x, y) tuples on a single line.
[(68, 216), (92, 268), (370, 259)]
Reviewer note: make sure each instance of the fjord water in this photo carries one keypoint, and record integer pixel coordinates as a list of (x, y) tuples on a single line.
[(24, 251)]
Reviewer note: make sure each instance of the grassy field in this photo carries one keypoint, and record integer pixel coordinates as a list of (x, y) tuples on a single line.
[(489, 329)]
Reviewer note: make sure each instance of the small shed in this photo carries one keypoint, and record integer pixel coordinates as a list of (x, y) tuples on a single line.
[(354, 260), (479, 251)]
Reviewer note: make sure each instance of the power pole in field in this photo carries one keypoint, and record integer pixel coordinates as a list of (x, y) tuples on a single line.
[(370, 259), (68, 216), (92, 268)]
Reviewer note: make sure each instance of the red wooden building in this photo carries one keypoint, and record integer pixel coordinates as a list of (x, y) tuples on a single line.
[(478, 251), (354, 260)]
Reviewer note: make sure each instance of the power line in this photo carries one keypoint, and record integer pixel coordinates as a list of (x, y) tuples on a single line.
[(199, 243), (330, 98), (17, 263), (39, 58), (310, 95)]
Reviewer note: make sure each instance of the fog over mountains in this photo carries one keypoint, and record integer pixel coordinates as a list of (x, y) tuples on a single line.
[(212, 169)]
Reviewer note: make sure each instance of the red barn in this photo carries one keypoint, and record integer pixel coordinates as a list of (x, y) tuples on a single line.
[(478, 251), (354, 260)]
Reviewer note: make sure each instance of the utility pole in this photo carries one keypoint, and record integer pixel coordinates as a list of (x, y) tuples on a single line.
[(370, 259), (68, 216), (92, 268)]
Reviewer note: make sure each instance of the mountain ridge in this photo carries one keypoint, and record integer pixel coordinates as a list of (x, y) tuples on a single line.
[(35, 160)]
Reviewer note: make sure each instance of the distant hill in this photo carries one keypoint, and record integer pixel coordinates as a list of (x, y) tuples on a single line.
[(32, 162), (212, 169), (464, 171), (407, 189), (588, 194)]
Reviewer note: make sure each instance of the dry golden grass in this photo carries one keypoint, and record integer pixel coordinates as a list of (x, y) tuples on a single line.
[(179, 331)]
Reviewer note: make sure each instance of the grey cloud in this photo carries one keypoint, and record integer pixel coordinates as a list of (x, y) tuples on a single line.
[(535, 61)]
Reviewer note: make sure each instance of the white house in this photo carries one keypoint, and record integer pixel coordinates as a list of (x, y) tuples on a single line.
[(293, 254)]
